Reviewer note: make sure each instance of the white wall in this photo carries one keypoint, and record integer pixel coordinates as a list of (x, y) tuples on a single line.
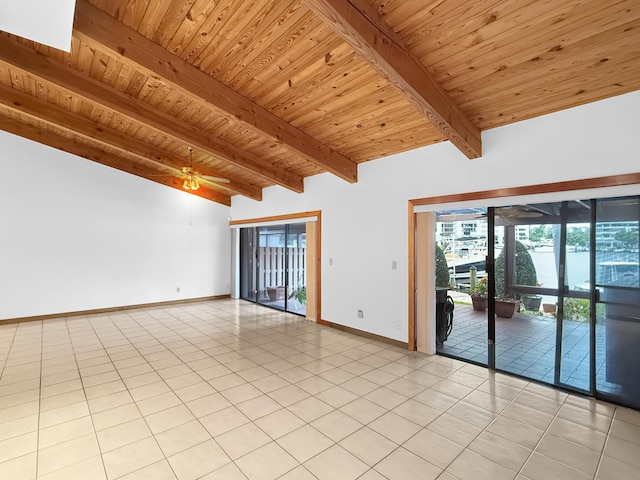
[(364, 226), (76, 235)]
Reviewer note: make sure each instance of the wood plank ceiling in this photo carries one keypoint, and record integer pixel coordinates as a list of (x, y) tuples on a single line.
[(270, 92)]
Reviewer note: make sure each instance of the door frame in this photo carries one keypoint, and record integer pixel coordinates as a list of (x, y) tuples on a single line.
[(313, 221)]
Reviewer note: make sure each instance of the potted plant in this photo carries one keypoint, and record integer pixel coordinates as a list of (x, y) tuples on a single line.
[(275, 293), (506, 307), (479, 295), (532, 302), (299, 294)]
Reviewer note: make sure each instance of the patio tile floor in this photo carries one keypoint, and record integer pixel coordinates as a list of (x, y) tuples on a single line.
[(526, 346)]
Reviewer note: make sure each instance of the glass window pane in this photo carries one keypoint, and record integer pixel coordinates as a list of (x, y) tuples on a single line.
[(575, 344), (574, 363), (296, 269), (247, 264), (271, 266), (461, 250), (527, 242), (618, 312)]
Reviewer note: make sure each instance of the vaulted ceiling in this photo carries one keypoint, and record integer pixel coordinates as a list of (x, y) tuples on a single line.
[(270, 92)]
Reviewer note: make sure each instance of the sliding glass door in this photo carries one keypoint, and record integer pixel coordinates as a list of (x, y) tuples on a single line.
[(526, 273), (574, 313), (272, 266), (562, 293), (461, 251), (296, 268), (617, 264), (248, 253), (542, 271)]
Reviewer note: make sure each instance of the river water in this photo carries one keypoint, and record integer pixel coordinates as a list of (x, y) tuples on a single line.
[(577, 266)]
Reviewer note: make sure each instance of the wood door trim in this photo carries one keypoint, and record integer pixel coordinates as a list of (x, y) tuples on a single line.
[(411, 262), (313, 266), (277, 218), (293, 216), (583, 184)]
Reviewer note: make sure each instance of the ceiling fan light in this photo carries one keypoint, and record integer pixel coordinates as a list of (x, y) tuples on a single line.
[(191, 183), (191, 179)]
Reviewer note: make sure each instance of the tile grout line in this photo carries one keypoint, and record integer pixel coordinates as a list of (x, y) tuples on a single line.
[(334, 443), (75, 357), (421, 428), (39, 397), (399, 446), (544, 432), (465, 448), (606, 441), (108, 354), (556, 416), (164, 380), (14, 338)]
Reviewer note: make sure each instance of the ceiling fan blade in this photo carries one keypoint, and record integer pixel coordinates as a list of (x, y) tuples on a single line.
[(215, 179)]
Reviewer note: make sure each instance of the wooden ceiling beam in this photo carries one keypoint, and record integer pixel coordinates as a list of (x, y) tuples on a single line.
[(358, 23), (89, 152), (49, 71), (70, 122), (94, 26)]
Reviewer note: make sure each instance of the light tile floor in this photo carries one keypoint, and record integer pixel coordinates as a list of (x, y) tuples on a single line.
[(231, 390)]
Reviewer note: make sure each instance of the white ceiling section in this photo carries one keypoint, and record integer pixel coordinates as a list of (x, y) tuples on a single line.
[(49, 22)]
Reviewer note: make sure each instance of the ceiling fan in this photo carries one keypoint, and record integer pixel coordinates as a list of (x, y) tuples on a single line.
[(192, 178)]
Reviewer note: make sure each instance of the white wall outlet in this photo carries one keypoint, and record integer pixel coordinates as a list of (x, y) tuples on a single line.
[(177, 289), (360, 314), (330, 261), (398, 324), (394, 265)]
